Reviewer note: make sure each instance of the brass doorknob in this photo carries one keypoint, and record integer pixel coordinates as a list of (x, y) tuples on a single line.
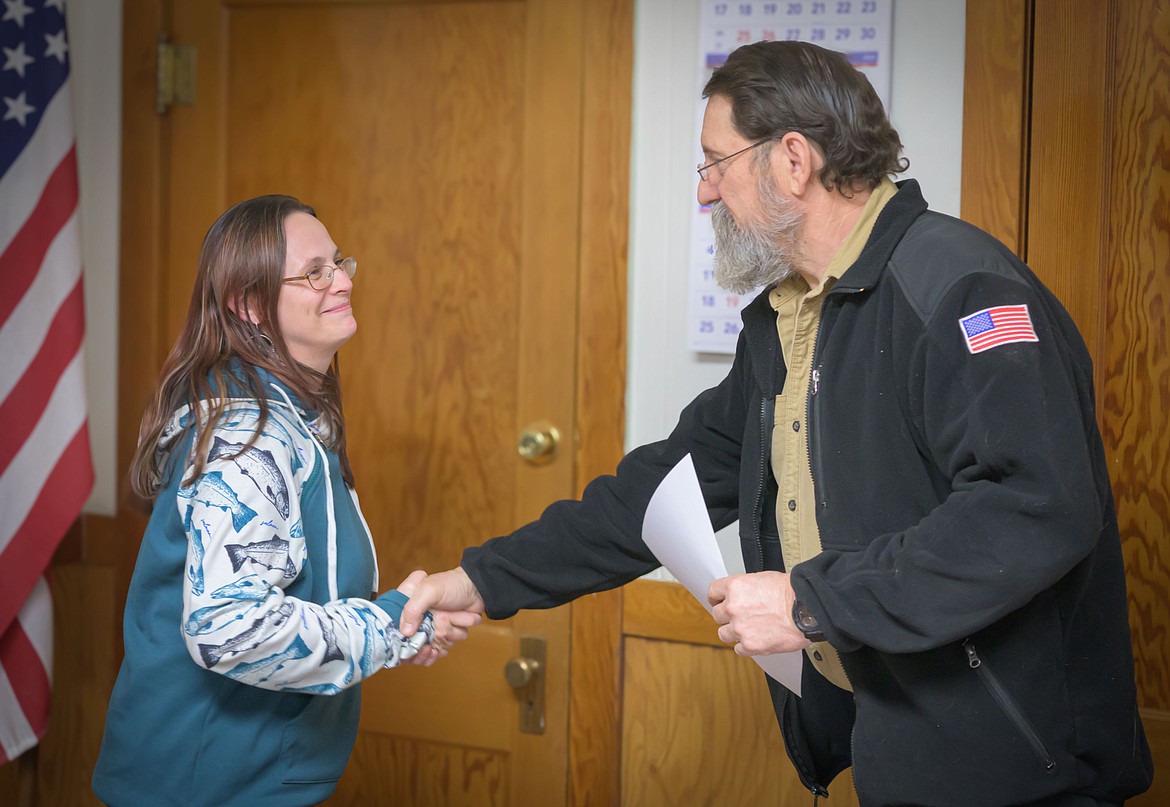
[(519, 672), (538, 443)]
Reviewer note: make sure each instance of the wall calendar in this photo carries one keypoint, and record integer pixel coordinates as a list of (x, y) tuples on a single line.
[(858, 28)]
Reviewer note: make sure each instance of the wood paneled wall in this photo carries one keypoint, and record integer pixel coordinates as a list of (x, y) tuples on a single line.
[(697, 722), (595, 671), (1135, 360), (996, 87), (1066, 131), (100, 568), (86, 621)]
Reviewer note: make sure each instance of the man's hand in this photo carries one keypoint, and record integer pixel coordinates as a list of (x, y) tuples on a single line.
[(455, 606), (450, 627), (754, 612)]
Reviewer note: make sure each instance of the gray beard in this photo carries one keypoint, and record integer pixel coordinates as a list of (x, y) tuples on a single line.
[(758, 254)]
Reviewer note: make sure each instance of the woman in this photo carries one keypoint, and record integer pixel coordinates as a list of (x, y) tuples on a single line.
[(250, 599)]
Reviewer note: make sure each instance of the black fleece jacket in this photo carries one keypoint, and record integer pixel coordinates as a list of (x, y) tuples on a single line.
[(971, 576)]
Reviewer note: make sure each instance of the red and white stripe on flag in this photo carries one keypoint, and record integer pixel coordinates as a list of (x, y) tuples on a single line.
[(45, 468), (1001, 325)]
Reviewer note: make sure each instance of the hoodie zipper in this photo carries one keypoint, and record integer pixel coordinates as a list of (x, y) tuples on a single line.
[(331, 524), (1008, 705)]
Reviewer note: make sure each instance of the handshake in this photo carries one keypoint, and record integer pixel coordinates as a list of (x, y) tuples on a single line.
[(449, 602)]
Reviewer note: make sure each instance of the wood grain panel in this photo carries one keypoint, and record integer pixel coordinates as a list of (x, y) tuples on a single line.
[(466, 142), (1135, 397), (103, 541), (140, 247), (1099, 234), (449, 163), (478, 710), (658, 610), (595, 718), (385, 770), (698, 729), (193, 141), (18, 780), (595, 700), (431, 377), (141, 322), (84, 620), (550, 241), (995, 121), (1157, 724), (1069, 179)]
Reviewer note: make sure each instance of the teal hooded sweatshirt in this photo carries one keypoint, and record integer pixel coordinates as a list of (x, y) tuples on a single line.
[(249, 622)]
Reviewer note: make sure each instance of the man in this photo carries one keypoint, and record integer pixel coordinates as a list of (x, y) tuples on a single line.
[(908, 429)]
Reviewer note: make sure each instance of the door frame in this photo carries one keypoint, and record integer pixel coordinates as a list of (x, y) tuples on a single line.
[(596, 621)]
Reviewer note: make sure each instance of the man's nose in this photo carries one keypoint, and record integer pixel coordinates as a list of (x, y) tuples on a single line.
[(707, 193)]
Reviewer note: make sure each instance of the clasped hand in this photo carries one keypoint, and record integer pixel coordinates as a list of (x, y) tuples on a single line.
[(754, 612), (452, 616)]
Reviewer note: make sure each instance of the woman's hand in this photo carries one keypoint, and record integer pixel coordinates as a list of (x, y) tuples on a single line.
[(450, 626)]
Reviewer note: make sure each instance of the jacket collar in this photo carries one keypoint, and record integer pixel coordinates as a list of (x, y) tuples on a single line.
[(759, 320)]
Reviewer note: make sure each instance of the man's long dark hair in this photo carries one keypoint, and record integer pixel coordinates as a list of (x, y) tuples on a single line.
[(780, 87)]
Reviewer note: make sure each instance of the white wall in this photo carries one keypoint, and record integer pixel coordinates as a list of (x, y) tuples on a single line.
[(926, 107), (95, 42)]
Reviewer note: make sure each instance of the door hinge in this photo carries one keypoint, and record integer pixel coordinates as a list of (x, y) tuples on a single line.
[(176, 74)]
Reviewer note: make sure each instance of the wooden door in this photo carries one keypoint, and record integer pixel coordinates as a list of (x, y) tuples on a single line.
[(1070, 171), (440, 144)]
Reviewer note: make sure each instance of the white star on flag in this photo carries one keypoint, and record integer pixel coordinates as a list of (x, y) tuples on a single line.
[(16, 10), (57, 4), (55, 45), (16, 59), (18, 109)]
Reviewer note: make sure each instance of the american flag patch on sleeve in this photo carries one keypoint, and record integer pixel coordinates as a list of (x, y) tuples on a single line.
[(997, 326)]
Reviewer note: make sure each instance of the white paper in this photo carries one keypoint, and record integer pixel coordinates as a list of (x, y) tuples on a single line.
[(677, 529)]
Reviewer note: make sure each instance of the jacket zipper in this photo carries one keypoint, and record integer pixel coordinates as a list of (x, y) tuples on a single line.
[(811, 422), (802, 773), (807, 779), (759, 517), (1008, 705), (813, 388)]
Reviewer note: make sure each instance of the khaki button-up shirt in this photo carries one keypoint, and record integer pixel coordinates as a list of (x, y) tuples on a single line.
[(798, 315)]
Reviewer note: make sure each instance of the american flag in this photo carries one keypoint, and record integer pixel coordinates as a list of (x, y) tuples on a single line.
[(45, 468), (997, 326)]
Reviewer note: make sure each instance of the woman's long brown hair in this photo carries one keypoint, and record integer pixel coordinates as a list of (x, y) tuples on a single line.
[(240, 268)]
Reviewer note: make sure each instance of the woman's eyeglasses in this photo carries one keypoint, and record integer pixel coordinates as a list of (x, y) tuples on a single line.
[(321, 277)]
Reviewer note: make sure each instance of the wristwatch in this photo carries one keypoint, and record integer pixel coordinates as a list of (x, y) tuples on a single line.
[(807, 622)]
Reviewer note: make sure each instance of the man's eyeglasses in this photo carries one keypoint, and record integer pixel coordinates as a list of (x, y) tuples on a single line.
[(705, 170), (321, 277)]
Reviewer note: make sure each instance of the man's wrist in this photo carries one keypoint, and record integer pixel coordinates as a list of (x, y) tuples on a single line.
[(806, 622)]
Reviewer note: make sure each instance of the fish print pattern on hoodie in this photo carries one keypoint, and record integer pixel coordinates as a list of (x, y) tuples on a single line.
[(247, 547)]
